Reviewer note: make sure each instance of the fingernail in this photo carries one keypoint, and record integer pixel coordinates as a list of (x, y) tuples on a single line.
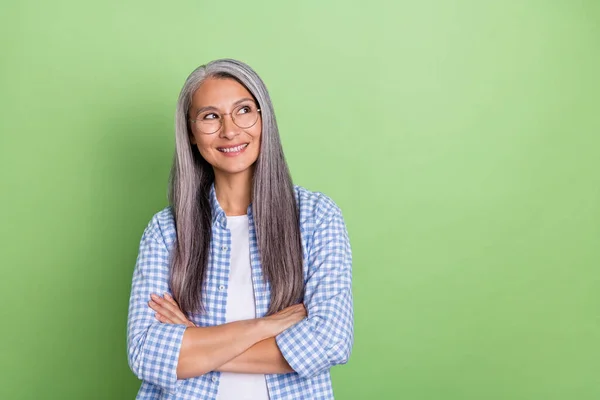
[(154, 296), (167, 295)]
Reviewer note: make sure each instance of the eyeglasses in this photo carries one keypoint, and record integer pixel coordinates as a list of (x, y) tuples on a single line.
[(244, 116)]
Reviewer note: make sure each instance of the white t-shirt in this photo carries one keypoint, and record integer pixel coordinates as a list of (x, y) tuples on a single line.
[(240, 305)]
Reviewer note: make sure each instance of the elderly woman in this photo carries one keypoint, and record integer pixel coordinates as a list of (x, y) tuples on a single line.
[(242, 288)]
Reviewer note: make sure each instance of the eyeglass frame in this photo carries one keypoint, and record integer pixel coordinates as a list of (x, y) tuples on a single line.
[(258, 110)]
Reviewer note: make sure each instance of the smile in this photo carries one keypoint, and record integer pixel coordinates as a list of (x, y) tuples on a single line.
[(233, 150)]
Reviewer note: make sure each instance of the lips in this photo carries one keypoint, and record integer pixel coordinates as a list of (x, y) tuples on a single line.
[(233, 149)]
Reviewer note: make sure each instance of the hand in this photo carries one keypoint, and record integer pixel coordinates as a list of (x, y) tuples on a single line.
[(284, 319), (168, 311)]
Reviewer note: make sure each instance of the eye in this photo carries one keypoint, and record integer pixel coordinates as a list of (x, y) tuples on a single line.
[(244, 110), (210, 116)]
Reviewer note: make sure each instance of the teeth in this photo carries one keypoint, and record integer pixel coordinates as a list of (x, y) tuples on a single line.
[(234, 149)]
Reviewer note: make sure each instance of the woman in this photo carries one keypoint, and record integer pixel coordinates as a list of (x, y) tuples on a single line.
[(242, 286)]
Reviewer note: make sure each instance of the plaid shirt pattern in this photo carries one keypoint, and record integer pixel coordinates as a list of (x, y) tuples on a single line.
[(311, 347)]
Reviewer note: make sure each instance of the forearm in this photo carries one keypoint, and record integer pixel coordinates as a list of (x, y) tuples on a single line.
[(263, 357), (204, 349)]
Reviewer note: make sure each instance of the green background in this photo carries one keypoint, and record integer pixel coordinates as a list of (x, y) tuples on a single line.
[(460, 139)]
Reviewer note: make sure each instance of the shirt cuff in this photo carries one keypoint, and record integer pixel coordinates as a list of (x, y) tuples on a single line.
[(301, 349), (161, 355)]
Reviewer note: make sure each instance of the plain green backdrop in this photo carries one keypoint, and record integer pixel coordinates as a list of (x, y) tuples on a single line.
[(460, 138)]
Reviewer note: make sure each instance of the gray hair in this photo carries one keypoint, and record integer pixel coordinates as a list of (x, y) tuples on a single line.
[(274, 207)]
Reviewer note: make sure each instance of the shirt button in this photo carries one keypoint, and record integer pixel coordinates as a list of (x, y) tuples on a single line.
[(224, 248), (222, 287), (214, 379)]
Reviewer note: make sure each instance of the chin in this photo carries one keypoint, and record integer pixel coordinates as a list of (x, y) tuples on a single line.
[(233, 170)]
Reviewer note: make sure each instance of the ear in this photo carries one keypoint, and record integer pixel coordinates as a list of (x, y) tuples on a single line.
[(192, 139)]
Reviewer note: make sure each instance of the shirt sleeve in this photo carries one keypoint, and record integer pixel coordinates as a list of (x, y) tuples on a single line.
[(152, 347), (325, 338)]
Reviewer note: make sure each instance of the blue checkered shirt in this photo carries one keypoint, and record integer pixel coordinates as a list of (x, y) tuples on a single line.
[(311, 347)]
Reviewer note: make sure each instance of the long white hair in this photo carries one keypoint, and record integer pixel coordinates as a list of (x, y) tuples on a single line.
[(274, 206)]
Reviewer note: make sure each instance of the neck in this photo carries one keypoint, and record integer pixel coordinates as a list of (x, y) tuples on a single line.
[(234, 192)]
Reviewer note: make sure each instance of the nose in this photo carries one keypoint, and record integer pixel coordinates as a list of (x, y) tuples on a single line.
[(228, 129)]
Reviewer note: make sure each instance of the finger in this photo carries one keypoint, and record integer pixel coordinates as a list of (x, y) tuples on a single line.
[(171, 310), (165, 308), (160, 310), (162, 318), (164, 303), (177, 309), (158, 307), (170, 299), (166, 320)]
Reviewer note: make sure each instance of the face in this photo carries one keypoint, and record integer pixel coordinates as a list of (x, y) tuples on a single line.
[(231, 149)]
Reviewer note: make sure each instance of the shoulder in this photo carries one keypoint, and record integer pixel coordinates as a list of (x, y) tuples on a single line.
[(322, 225), (315, 206), (162, 226)]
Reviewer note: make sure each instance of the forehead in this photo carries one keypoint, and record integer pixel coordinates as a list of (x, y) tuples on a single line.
[(219, 93)]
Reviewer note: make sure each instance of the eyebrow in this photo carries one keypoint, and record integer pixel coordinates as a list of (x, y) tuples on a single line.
[(212, 108)]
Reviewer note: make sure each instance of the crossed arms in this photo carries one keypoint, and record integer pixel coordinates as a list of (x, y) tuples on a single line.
[(166, 353)]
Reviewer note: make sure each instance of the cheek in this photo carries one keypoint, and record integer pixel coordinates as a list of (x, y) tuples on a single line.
[(256, 133), (204, 147), (257, 138)]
